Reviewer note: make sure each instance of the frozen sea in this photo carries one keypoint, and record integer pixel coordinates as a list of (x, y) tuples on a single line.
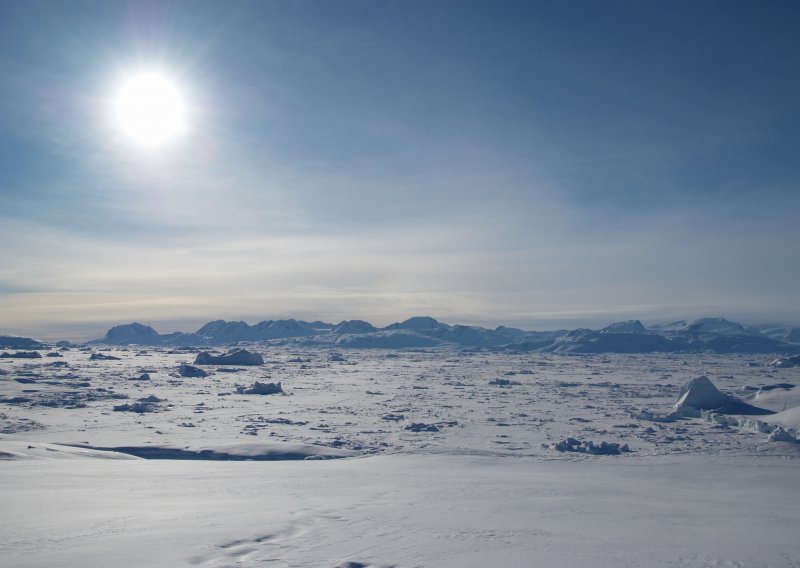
[(439, 458)]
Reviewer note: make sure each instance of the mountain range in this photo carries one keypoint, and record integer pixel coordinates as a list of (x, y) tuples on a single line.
[(716, 335)]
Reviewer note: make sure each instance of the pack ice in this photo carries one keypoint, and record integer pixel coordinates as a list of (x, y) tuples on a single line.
[(289, 443)]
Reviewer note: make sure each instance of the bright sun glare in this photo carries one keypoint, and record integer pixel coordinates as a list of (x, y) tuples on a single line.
[(149, 109)]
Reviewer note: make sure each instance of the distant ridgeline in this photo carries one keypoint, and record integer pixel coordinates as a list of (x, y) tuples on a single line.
[(13, 342), (714, 335)]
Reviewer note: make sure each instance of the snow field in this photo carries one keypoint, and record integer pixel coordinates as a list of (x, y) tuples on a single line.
[(402, 510), (450, 461)]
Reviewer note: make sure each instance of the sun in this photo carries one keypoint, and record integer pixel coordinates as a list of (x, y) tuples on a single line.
[(149, 108)]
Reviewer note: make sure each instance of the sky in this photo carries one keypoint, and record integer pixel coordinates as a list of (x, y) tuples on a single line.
[(537, 164)]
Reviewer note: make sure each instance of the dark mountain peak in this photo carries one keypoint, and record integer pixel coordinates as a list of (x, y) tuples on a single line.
[(354, 326), (420, 323), (132, 333)]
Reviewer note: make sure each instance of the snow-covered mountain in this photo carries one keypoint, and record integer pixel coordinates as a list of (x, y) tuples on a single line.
[(354, 326), (630, 326), (421, 324), (135, 332), (14, 342), (719, 335), (719, 326), (140, 334), (715, 335), (388, 339), (779, 332), (621, 337), (222, 332)]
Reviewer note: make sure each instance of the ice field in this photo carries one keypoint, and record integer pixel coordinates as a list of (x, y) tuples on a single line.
[(445, 458)]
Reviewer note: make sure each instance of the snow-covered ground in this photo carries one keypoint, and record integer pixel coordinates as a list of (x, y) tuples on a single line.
[(447, 458), (402, 510)]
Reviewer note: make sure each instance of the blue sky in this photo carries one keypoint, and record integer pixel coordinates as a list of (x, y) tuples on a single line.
[(540, 164)]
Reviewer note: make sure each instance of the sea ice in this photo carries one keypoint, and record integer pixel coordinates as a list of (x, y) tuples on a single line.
[(236, 357)]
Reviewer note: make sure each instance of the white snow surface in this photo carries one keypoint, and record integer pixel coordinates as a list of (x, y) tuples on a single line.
[(789, 419), (776, 399), (401, 510), (333, 473)]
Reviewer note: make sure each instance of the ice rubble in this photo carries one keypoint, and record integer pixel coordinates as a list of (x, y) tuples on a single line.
[(236, 357), (699, 398), (192, 371), (588, 447), (785, 362), (148, 404), (781, 435), (781, 427), (504, 382), (421, 427), (21, 355), (260, 388), (570, 390), (102, 357)]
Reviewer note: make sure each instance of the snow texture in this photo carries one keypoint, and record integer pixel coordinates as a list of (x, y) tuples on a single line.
[(436, 456)]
